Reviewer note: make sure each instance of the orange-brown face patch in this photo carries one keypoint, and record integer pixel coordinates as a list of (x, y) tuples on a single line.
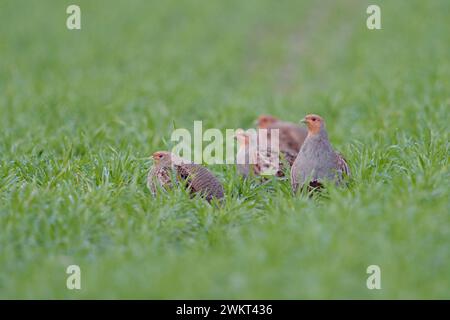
[(265, 121), (314, 123), (160, 155)]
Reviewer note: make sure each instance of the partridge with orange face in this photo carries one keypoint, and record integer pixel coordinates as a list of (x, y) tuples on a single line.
[(199, 180), (317, 161)]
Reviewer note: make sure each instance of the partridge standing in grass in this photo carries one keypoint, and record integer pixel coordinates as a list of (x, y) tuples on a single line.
[(317, 161), (198, 179), (291, 135)]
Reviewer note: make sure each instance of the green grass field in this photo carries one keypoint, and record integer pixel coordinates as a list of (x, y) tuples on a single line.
[(81, 111)]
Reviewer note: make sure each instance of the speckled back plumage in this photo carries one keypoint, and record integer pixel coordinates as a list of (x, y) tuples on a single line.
[(268, 163), (159, 176), (261, 160)]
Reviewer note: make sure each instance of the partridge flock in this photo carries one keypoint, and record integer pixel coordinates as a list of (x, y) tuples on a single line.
[(306, 152)]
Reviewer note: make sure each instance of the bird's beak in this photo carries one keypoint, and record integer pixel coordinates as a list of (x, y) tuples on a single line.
[(304, 120)]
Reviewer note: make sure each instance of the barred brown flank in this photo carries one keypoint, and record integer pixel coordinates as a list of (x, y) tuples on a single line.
[(199, 180)]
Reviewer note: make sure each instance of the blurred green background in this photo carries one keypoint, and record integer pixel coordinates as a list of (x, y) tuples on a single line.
[(81, 110)]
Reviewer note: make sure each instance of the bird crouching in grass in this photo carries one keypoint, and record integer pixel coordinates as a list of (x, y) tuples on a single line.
[(197, 179), (317, 162)]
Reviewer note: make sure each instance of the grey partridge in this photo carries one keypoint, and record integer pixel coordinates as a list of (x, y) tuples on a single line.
[(317, 161)]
